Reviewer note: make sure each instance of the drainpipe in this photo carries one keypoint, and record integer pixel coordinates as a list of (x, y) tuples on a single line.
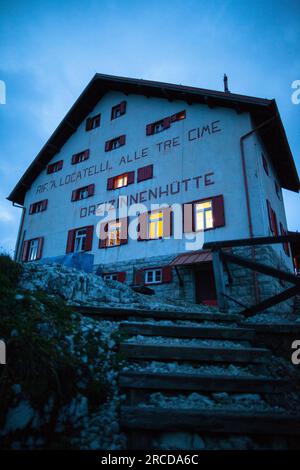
[(246, 185), (17, 248)]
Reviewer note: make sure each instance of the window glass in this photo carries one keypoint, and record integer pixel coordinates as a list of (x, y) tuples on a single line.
[(120, 181), (114, 229), (33, 249), (80, 240), (156, 225), (153, 276), (203, 215)]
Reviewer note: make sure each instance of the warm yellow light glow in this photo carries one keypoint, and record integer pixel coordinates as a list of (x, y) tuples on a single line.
[(114, 234), (156, 225), (204, 215), (120, 181)]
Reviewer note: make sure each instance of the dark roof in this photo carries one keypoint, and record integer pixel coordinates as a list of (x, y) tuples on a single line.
[(273, 135)]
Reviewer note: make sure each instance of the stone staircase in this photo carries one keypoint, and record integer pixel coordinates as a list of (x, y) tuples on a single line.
[(195, 381)]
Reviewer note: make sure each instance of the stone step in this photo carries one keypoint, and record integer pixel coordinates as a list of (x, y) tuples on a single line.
[(209, 421), (163, 352), (202, 382), (146, 329), (123, 313)]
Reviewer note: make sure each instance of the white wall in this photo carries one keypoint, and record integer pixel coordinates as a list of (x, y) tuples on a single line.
[(218, 153)]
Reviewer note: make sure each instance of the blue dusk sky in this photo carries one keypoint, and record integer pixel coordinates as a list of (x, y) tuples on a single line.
[(49, 50)]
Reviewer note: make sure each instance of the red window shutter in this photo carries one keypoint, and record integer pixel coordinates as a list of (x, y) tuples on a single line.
[(40, 248), (145, 173), (143, 226), (124, 230), (107, 145), (31, 208), (60, 164), (44, 204), (130, 177), (74, 195), (218, 211), (86, 154), (50, 169), (274, 223), (265, 164), (110, 183), (139, 277), (121, 276), (167, 122), (270, 215), (103, 231), (167, 222), (25, 250), (188, 210), (70, 241), (74, 159), (123, 107), (88, 124), (89, 238), (91, 189), (167, 274), (149, 129), (122, 139)]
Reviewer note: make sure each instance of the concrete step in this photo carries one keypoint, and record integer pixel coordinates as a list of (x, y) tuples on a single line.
[(123, 313), (146, 329), (163, 352), (150, 381), (209, 421)]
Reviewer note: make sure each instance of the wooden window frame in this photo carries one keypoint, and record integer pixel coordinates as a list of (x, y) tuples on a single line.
[(55, 167), (118, 108), (41, 205), (93, 122), (80, 157)]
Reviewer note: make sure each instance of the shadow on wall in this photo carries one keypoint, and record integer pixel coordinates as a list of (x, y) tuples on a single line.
[(80, 261)]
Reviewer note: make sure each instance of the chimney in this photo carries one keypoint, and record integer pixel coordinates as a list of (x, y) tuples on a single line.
[(225, 80)]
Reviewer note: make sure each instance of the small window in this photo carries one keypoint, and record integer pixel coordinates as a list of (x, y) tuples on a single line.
[(113, 236), (110, 277), (39, 206), (83, 193), (155, 225), (203, 215), (265, 164), (277, 189), (178, 116), (80, 157), (33, 249), (114, 144), (118, 110), (80, 240), (158, 127), (121, 181), (54, 167), (153, 276), (92, 122)]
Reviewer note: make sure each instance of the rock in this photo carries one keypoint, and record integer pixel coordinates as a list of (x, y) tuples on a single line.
[(222, 397), (18, 417)]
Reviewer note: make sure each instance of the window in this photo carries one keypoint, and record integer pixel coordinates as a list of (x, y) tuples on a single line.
[(153, 276), (120, 276), (115, 143), (203, 215), (161, 125), (110, 277), (32, 249), (272, 219), (118, 110), (39, 206), (113, 233), (155, 225), (285, 244), (277, 189), (145, 173), (80, 239), (120, 181), (265, 164), (54, 167), (83, 193), (80, 157), (92, 122)]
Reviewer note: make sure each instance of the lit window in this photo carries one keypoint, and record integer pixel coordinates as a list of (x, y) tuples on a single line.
[(80, 240), (153, 276), (120, 181), (110, 277), (203, 215), (33, 249), (113, 237), (156, 225)]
